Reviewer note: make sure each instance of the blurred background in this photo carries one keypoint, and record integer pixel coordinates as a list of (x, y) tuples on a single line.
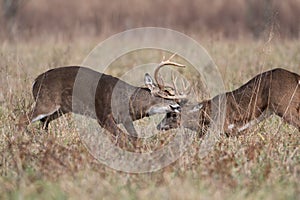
[(27, 19)]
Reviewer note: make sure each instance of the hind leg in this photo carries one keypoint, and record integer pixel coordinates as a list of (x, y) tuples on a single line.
[(292, 117), (293, 120), (40, 112), (46, 120)]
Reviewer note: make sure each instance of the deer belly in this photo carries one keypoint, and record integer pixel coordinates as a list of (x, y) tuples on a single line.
[(242, 126)]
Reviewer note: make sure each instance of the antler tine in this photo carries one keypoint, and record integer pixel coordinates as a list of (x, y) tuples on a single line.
[(164, 63), (186, 89), (172, 56), (160, 83), (174, 80)]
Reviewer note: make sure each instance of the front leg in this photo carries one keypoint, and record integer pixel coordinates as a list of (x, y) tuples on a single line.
[(118, 136), (130, 128), (133, 135)]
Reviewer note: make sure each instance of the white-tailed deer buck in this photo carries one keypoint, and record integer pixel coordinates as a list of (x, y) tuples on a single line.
[(105, 98), (273, 92)]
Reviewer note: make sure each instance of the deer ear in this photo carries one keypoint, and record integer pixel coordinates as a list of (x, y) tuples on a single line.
[(149, 82)]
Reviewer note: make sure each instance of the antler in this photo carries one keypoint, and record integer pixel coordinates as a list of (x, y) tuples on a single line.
[(162, 92), (186, 88), (164, 63)]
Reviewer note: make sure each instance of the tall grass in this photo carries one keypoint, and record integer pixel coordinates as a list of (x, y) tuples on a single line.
[(262, 164)]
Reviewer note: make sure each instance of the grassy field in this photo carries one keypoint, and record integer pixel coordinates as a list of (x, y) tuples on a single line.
[(264, 163)]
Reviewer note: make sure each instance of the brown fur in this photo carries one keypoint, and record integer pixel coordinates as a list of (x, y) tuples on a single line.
[(105, 98), (273, 92)]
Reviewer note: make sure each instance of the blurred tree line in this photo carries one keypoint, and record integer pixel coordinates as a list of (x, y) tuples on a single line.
[(229, 18)]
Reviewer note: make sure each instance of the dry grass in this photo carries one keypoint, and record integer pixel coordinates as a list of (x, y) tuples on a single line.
[(262, 164)]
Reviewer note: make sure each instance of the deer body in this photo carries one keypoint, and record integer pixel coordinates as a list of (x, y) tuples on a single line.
[(273, 92), (105, 98)]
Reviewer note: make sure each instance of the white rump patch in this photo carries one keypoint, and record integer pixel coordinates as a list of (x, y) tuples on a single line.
[(41, 116)]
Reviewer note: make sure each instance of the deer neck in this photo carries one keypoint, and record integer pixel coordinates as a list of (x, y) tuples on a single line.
[(139, 103)]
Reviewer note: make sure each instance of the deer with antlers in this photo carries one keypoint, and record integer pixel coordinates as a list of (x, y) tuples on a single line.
[(273, 92), (105, 98)]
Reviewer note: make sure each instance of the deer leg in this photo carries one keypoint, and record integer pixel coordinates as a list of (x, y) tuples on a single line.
[(290, 115), (42, 113), (292, 118), (133, 135), (45, 123), (46, 120), (119, 137), (130, 128)]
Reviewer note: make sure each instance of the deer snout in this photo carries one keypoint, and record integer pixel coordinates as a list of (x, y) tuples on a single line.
[(175, 108), (161, 109)]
